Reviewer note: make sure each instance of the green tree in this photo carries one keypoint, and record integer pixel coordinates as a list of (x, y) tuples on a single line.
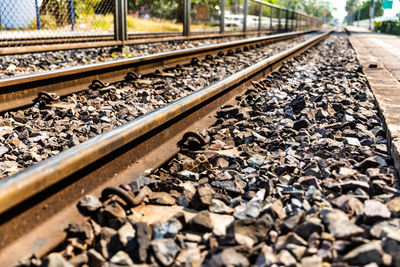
[(364, 8), (350, 6), (60, 9), (312, 7)]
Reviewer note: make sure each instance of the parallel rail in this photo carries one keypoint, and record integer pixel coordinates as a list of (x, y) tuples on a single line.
[(37, 203), (20, 90), (9, 46)]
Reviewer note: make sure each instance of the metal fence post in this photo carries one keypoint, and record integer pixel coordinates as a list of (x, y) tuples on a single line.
[(301, 22), (222, 17), (270, 18), (120, 33), (305, 22), (186, 17), (245, 16), (286, 19), (37, 15), (292, 18), (72, 13), (279, 19), (372, 16), (259, 17)]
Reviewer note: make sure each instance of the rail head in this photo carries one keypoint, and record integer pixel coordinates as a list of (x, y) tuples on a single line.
[(25, 184)]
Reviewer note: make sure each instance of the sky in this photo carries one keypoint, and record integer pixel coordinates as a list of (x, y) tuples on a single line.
[(340, 13)]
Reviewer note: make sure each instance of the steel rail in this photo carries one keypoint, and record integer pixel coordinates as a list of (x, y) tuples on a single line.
[(55, 45), (37, 203), (89, 36), (20, 90)]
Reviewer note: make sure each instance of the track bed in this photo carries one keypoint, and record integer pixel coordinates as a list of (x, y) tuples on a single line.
[(294, 172), (29, 136)]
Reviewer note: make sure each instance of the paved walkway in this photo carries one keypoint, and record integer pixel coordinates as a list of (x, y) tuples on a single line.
[(379, 54), (385, 47)]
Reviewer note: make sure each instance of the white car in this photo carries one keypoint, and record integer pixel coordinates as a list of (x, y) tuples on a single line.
[(234, 20)]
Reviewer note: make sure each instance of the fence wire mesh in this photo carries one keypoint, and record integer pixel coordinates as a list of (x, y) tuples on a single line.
[(162, 16), (205, 17), (24, 21), (234, 15), (253, 16)]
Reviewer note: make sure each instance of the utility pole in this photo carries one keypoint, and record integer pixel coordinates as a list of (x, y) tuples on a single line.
[(372, 15), (358, 13)]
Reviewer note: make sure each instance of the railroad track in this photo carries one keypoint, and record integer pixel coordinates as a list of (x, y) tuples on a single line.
[(37, 203), (10, 46), (19, 91)]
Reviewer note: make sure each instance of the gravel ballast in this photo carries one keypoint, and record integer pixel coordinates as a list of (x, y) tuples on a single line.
[(31, 135), (297, 173)]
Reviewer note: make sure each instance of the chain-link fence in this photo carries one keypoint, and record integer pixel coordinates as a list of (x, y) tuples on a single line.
[(32, 22), (234, 15), (205, 17), (156, 17)]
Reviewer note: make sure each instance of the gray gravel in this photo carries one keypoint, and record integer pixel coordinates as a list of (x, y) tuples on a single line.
[(299, 168), (31, 135)]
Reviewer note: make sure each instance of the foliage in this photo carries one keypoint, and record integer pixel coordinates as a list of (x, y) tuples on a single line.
[(97, 14), (57, 9), (391, 27), (95, 22), (351, 8), (167, 9), (315, 8), (60, 10), (150, 25), (156, 25), (318, 8), (85, 7), (213, 6), (101, 22), (48, 22)]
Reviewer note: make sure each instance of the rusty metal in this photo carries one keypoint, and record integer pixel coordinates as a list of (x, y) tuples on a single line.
[(70, 40), (39, 202), (20, 90), (200, 139), (128, 197)]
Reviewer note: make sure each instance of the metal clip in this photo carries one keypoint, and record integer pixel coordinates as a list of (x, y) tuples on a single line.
[(44, 98), (101, 86), (201, 141), (130, 199), (130, 76)]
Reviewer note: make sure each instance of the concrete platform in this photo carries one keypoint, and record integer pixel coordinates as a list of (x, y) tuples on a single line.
[(379, 54)]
